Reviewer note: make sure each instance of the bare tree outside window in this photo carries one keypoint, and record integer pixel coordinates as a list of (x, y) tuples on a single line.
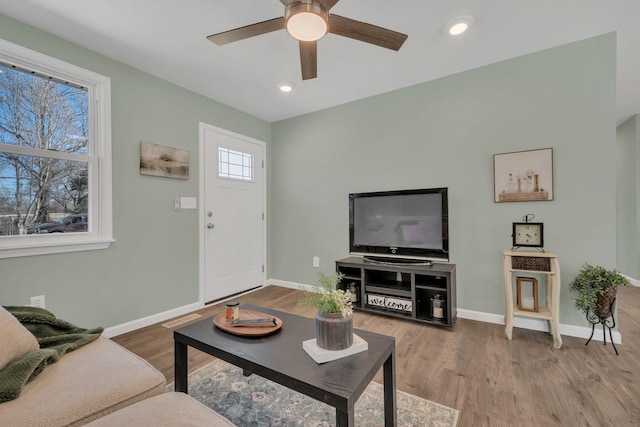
[(46, 178)]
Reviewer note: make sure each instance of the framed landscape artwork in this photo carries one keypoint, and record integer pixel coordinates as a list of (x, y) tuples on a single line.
[(523, 176), (158, 160)]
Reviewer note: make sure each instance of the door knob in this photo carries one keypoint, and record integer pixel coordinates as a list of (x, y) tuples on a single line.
[(210, 226)]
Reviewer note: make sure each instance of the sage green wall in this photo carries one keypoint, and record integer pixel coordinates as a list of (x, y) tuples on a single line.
[(628, 204), (444, 134), (441, 133), (153, 265)]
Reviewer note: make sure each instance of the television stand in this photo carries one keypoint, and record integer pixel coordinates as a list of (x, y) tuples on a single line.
[(396, 261), (402, 290)]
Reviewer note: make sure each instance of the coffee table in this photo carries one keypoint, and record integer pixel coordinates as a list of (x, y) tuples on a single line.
[(280, 358)]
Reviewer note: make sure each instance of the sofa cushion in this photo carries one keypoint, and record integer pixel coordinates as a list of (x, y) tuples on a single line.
[(15, 339), (168, 409), (84, 385)]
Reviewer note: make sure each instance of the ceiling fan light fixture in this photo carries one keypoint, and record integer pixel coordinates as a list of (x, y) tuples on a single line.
[(306, 21)]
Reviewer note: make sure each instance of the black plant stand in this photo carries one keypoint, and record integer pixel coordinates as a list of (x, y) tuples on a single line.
[(608, 322)]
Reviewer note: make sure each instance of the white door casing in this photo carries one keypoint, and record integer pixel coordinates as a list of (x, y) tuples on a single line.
[(232, 217)]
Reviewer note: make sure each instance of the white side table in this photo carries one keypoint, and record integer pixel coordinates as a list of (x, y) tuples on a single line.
[(540, 263)]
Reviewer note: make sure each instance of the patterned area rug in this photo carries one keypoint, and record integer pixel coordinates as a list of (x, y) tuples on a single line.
[(255, 401)]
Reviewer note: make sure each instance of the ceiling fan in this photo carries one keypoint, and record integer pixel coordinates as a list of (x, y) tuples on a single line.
[(308, 21)]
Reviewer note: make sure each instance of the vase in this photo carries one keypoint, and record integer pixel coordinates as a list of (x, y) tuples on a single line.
[(334, 331), (606, 303)]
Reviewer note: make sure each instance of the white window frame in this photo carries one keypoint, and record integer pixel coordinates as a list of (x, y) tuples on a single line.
[(100, 234)]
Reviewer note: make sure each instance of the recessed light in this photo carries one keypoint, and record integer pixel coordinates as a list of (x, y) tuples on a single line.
[(459, 25), (286, 87)]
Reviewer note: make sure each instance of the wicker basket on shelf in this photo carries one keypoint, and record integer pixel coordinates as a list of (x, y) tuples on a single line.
[(530, 263)]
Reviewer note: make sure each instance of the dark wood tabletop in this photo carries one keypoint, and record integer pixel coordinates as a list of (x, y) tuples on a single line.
[(280, 358)]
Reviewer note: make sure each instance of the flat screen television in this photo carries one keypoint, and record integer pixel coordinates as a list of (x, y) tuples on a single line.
[(400, 226)]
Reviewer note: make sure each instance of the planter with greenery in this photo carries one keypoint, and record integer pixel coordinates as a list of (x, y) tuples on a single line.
[(596, 288), (334, 320)]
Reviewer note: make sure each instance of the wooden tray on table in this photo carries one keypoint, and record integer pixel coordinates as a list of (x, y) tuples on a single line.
[(247, 331)]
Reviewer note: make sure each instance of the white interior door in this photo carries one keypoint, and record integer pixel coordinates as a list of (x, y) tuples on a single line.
[(233, 213)]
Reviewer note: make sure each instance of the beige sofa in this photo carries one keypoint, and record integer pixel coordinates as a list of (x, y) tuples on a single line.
[(167, 409), (86, 384), (103, 381)]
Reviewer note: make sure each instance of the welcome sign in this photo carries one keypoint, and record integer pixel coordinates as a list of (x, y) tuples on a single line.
[(390, 302)]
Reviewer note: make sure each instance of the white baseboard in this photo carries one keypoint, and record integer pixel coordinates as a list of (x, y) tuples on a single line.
[(161, 317), (634, 282), (538, 325), (292, 285), (518, 322), (150, 320)]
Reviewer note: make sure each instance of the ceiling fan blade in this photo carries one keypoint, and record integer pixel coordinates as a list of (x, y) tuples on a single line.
[(366, 32), (247, 31), (309, 59)]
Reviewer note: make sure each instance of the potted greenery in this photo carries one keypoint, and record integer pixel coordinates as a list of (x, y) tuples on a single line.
[(596, 288), (334, 320)]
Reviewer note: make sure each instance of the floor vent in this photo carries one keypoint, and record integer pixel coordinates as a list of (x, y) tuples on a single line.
[(181, 320)]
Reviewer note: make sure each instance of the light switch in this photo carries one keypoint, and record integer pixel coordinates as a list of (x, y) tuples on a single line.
[(188, 202)]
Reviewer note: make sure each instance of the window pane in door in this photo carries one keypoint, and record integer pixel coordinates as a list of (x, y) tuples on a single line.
[(235, 164)]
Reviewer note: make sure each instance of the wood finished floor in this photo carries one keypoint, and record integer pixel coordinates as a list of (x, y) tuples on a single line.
[(492, 381)]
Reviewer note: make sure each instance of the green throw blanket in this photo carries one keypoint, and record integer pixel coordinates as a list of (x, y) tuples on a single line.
[(56, 338)]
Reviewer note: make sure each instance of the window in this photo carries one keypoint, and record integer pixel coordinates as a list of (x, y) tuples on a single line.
[(235, 164), (55, 155)]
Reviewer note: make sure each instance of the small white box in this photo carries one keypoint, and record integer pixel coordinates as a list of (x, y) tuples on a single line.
[(188, 202)]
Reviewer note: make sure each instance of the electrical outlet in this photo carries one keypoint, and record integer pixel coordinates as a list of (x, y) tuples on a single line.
[(316, 261), (37, 301), (176, 204)]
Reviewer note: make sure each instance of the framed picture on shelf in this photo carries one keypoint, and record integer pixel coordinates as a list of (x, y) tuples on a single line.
[(523, 176), (527, 294)]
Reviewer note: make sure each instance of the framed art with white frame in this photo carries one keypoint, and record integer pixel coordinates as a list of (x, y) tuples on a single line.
[(523, 176)]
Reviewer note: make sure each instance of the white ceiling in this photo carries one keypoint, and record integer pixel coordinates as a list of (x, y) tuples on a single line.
[(167, 38)]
